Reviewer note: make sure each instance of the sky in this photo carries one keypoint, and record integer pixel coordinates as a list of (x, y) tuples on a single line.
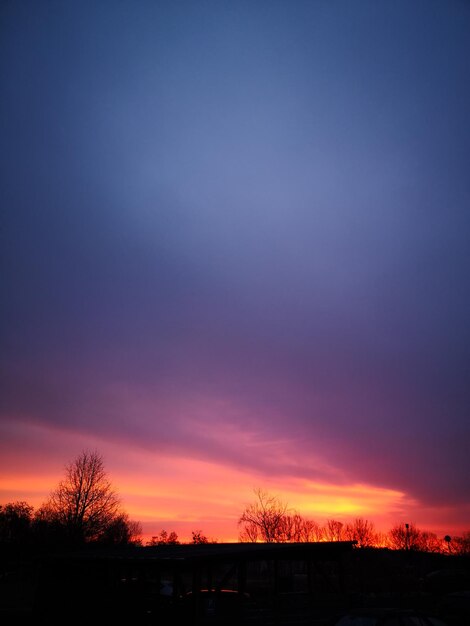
[(235, 254)]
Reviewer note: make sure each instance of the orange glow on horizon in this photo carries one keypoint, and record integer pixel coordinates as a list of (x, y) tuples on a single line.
[(174, 492)]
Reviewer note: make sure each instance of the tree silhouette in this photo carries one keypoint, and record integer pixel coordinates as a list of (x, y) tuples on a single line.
[(461, 544), (84, 503), (406, 537), (164, 539), (15, 521), (122, 531), (362, 532), (264, 519), (334, 530), (199, 537), (311, 531)]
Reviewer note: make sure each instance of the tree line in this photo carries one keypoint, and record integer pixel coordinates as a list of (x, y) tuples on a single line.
[(84, 508), (270, 520)]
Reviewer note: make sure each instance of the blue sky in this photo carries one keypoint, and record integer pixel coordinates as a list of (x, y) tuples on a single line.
[(250, 216)]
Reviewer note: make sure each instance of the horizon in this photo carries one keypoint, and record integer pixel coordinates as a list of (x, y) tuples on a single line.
[(343, 504), (235, 250)]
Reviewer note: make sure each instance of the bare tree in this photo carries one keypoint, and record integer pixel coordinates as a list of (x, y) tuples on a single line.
[(84, 502), (405, 537), (461, 544), (164, 539), (334, 530), (199, 537), (430, 542), (249, 533), (122, 531), (263, 519), (311, 531), (362, 532), (291, 528)]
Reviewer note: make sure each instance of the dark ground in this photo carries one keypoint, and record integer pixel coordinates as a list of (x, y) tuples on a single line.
[(435, 584)]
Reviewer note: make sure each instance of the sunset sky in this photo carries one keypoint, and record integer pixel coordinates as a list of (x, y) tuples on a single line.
[(235, 254)]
